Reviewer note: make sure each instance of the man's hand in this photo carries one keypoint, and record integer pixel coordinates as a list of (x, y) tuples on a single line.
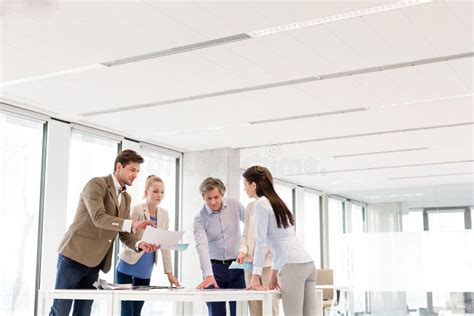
[(142, 224), (173, 280), (274, 281), (240, 258), (256, 284), (207, 282), (147, 247)]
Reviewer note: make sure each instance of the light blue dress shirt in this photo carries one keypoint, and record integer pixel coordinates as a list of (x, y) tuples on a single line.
[(217, 234), (283, 244)]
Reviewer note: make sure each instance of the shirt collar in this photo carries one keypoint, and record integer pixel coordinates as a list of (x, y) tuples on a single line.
[(209, 211), (118, 188)]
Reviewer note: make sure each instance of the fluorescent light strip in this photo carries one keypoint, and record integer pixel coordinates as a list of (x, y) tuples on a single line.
[(337, 17), (381, 152), (381, 168), (50, 75), (214, 128), (364, 108), (278, 84), (324, 114), (226, 40), (406, 130), (432, 176), (393, 195), (459, 96), (178, 50), (299, 117)]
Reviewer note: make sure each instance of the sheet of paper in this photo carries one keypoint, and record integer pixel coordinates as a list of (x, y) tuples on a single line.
[(177, 247), (245, 266), (161, 237)]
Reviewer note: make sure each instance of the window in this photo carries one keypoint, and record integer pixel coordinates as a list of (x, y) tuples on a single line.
[(357, 218), (336, 229), (312, 231), (163, 166), (452, 220), (21, 142), (285, 192), (413, 221), (89, 156)]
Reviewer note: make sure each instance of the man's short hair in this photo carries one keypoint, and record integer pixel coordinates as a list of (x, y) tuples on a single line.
[(127, 156), (210, 184)]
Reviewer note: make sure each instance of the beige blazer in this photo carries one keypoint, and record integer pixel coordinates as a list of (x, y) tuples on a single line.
[(247, 241), (90, 238), (141, 212)]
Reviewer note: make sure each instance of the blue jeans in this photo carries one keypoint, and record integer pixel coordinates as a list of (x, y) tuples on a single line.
[(73, 275), (131, 308), (226, 279)]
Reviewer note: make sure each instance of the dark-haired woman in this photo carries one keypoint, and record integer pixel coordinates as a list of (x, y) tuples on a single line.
[(273, 225)]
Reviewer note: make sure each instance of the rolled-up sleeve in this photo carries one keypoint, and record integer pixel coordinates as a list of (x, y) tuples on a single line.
[(202, 246), (261, 214)]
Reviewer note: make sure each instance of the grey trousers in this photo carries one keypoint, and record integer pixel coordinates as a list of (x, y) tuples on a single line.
[(298, 291)]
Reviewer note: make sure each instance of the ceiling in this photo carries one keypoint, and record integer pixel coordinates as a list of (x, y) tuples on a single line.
[(377, 107)]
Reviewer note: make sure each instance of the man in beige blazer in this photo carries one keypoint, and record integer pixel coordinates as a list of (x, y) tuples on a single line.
[(87, 246)]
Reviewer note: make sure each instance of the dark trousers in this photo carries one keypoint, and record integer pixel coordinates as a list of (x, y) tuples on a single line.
[(73, 275), (131, 308), (226, 279)]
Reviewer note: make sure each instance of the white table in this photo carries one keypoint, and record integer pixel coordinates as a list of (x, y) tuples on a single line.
[(43, 295), (188, 300)]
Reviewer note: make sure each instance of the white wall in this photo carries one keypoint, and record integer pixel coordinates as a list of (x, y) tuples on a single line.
[(220, 163)]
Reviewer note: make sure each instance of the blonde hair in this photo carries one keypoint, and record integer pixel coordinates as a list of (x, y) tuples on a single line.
[(150, 179)]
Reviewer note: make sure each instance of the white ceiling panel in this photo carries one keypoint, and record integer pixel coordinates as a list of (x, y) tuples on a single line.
[(39, 38)]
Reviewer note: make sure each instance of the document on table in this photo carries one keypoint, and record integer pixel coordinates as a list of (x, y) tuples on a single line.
[(162, 237), (245, 266), (177, 247)]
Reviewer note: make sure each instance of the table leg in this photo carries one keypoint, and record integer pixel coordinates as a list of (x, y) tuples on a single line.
[(41, 303), (319, 299), (197, 308), (267, 305), (116, 305), (241, 308)]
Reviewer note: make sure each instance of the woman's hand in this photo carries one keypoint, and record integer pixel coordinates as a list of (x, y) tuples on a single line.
[(173, 280), (274, 281), (256, 284), (240, 258)]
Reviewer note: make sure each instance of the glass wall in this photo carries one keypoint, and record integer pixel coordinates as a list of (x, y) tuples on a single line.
[(335, 232), (165, 167), (89, 156), (286, 194), (311, 226), (21, 142)]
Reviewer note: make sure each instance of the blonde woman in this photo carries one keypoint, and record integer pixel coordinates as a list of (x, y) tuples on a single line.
[(136, 267), (247, 247)]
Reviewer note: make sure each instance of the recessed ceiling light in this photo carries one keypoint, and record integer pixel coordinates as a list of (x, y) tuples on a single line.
[(336, 17), (207, 129), (50, 75)]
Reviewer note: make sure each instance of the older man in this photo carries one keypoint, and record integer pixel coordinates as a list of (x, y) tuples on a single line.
[(217, 236)]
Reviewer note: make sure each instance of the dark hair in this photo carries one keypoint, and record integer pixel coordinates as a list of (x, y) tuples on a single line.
[(264, 186), (210, 184), (127, 156)]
